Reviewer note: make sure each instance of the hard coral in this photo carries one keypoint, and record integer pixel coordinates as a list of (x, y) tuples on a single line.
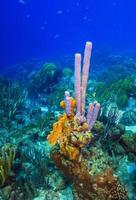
[(104, 186), (98, 162), (117, 192)]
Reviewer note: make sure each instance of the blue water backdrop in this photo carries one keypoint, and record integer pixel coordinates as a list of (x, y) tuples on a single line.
[(52, 28)]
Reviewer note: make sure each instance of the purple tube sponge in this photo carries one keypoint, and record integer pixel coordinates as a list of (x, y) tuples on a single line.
[(81, 80), (68, 103), (92, 114)]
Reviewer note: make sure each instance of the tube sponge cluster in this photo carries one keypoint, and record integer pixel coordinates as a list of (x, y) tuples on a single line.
[(81, 77), (72, 131)]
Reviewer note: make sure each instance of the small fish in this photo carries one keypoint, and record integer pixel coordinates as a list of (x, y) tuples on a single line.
[(45, 22), (56, 36), (59, 12), (85, 18), (22, 1), (28, 16), (77, 4), (42, 27)]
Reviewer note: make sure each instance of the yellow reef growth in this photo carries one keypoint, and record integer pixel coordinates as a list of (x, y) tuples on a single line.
[(70, 134)]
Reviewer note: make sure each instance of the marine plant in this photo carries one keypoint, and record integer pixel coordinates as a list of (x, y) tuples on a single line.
[(72, 133), (34, 162), (12, 99), (7, 156), (129, 143), (112, 116), (119, 91)]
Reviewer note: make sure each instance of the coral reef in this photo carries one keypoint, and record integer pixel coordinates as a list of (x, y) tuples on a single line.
[(92, 145), (90, 180)]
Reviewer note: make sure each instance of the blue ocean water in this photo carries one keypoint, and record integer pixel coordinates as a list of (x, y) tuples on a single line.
[(41, 28)]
